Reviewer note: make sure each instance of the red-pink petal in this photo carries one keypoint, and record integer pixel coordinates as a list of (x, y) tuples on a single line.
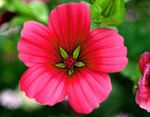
[(144, 59), (45, 84), (71, 24), (143, 103), (143, 91), (87, 89), (35, 45), (105, 51)]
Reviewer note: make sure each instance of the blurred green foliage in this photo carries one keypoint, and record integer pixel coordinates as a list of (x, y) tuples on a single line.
[(108, 12), (135, 29)]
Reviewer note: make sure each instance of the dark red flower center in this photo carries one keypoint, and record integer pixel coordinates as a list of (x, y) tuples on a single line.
[(70, 62)]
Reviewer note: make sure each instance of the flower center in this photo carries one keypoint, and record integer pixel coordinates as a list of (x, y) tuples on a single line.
[(70, 62)]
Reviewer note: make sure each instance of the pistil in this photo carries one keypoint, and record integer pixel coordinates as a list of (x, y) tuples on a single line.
[(70, 62)]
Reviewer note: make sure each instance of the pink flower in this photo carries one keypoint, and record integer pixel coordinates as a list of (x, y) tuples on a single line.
[(143, 91), (66, 59)]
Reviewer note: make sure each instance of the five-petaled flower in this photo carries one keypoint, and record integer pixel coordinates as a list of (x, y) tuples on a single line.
[(66, 59), (143, 91)]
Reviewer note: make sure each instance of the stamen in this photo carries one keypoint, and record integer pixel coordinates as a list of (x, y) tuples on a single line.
[(76, 52), (63, 53)]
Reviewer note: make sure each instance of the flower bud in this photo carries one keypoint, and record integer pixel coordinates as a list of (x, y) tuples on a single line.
[(108, 12)]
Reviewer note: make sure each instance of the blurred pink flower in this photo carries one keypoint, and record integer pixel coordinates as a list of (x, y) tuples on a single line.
[(66, 59), (143, 91)]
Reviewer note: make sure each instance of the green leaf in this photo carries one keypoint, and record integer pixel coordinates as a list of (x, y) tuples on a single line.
[(80, 64), (63, 53), (40, 11), (108, 12), (132, 72), (76, 52), (60, 65), (33, 10), (21, 8), (19, 20), (70, 71)]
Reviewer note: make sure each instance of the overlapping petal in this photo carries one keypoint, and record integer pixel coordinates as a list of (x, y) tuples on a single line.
[(37, 44), (143, 91), (71, 24), (87, 89), (143, 103), (45, 84), (105, 51), (144, 59)]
